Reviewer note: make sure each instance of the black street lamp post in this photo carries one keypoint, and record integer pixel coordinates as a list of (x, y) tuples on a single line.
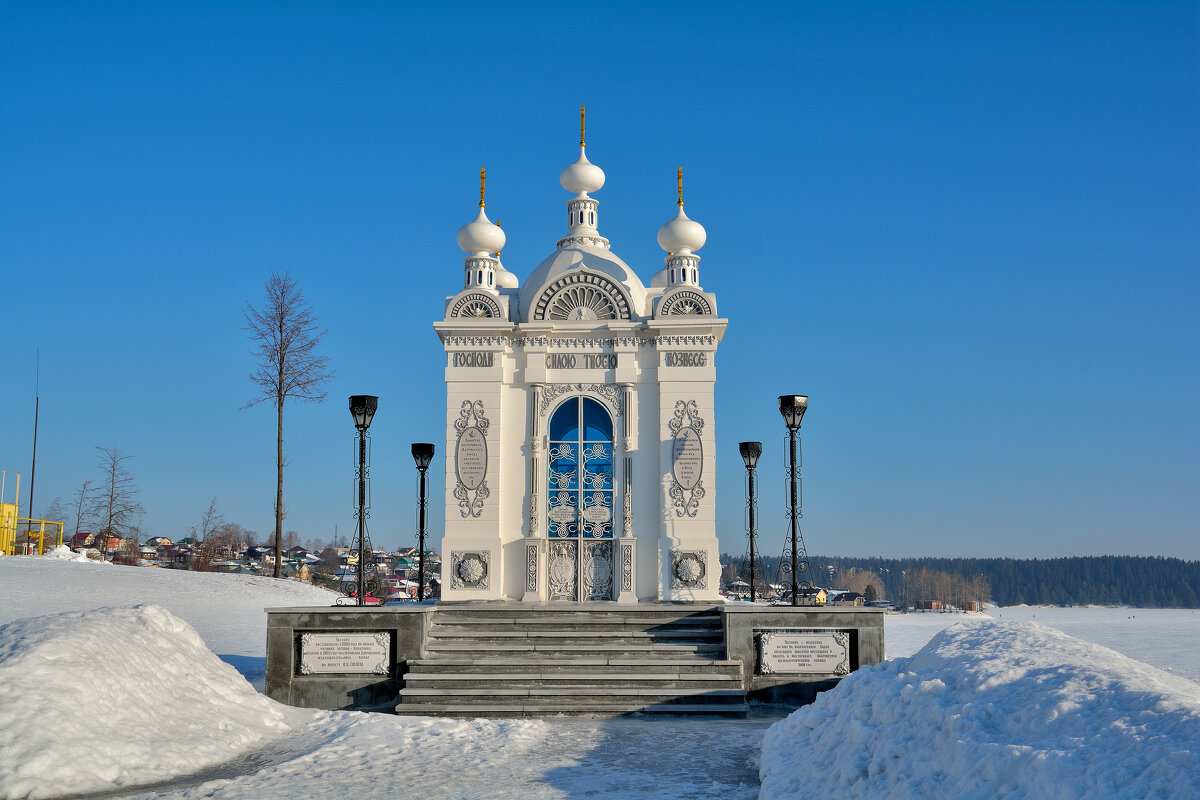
[(792, 407), (422, 453), (362, 408), (750, 452)]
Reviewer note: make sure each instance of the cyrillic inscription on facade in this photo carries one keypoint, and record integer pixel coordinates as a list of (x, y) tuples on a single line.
[(473, 359), (347, 653), (470, 457), (803, 652), (685, 358), (688, 458), (581, 361)]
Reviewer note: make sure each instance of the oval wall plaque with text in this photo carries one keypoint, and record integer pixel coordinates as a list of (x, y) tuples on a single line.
[(563, 515), (470, 457), (687, 458), (597, 515)]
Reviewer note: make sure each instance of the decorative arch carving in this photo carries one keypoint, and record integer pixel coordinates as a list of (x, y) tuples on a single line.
[(475, 305), (581, 296), (610, 393), (686, 303)]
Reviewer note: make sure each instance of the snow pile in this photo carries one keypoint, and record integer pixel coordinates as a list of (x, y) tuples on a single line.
[(1004, 709), (64, 553), (97, 700)]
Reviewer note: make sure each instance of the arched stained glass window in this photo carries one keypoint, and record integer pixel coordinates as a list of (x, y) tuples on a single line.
[(581, 471)]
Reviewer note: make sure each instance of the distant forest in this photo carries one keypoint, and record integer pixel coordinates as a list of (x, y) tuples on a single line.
[(1144, 581)]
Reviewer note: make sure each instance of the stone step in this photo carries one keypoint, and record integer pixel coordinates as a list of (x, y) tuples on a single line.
[(613, 664), (506, 710), (621, 635), (548, 660), (534, 679), (581, 694), (580, 621), (571, 648)]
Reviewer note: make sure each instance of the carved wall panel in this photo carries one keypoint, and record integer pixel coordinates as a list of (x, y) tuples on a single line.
[(689, 569), (469, 569), (470, 458)]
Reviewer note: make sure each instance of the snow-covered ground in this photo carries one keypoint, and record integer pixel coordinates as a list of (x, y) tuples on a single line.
[(103, 697), (227, 610), (1168, 638)]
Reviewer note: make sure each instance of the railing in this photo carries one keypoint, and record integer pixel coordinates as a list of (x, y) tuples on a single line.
[(27, 542)]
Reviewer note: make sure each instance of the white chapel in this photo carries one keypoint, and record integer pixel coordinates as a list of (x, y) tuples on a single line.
[(580, 457)]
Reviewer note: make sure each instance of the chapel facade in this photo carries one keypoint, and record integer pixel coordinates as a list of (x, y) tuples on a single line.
[(580, 445)]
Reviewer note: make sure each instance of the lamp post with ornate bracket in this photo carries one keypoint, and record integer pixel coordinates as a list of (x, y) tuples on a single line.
[(422, 453), (792, 407), (362, 408)]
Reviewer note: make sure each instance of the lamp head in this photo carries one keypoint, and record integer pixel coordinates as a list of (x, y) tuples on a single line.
[(750, 452), (362, 408), (792, 407), (422, 453)]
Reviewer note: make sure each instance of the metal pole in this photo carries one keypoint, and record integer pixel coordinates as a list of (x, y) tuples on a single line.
[(795, 518), (421, 541), (37, 402), (753, 528), (362, 514)]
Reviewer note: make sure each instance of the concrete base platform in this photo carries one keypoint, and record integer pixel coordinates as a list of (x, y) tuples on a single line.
[(602, 659)]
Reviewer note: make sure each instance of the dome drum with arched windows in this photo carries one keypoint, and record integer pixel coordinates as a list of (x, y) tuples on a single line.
[(580, 415)]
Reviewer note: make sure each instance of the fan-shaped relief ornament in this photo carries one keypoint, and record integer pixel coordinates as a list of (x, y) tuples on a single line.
[(469, 569), (581, 296), (689, 569), (609, 391), (687, 459), (475, 305), (471, 458), (685, 304)]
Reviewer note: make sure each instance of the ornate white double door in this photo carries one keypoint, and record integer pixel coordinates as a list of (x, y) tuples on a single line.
[(581, 554)]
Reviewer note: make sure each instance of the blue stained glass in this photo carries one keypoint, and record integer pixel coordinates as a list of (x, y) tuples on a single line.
[(597, 425), (581, 469), (564, 425)]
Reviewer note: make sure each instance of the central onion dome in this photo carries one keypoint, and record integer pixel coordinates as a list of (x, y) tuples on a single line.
[(582, 280), (583, 176)]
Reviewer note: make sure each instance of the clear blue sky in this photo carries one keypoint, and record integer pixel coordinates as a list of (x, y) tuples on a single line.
[(967, 231)]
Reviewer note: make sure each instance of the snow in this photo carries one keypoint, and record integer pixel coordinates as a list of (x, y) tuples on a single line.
[(108, 683), (993, 708), (1168, 638), (227, 610), (132, 694)]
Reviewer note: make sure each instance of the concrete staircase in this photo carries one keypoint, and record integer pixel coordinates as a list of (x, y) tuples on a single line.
[(491, 660)]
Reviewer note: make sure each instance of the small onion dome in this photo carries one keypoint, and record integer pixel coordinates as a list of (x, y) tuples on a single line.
[(582, 177), (504, 278), (480, 237), (681, 235)]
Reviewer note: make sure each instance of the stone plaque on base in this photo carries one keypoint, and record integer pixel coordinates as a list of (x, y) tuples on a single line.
[(346, 653), (801, 651)]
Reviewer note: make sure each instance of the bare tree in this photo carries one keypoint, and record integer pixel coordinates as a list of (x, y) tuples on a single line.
[(209, 522), (287, 336), (85, 502), (118, 507), (229, 539)]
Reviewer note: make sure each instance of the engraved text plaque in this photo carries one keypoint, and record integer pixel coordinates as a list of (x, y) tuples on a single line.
[(346, 653)]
